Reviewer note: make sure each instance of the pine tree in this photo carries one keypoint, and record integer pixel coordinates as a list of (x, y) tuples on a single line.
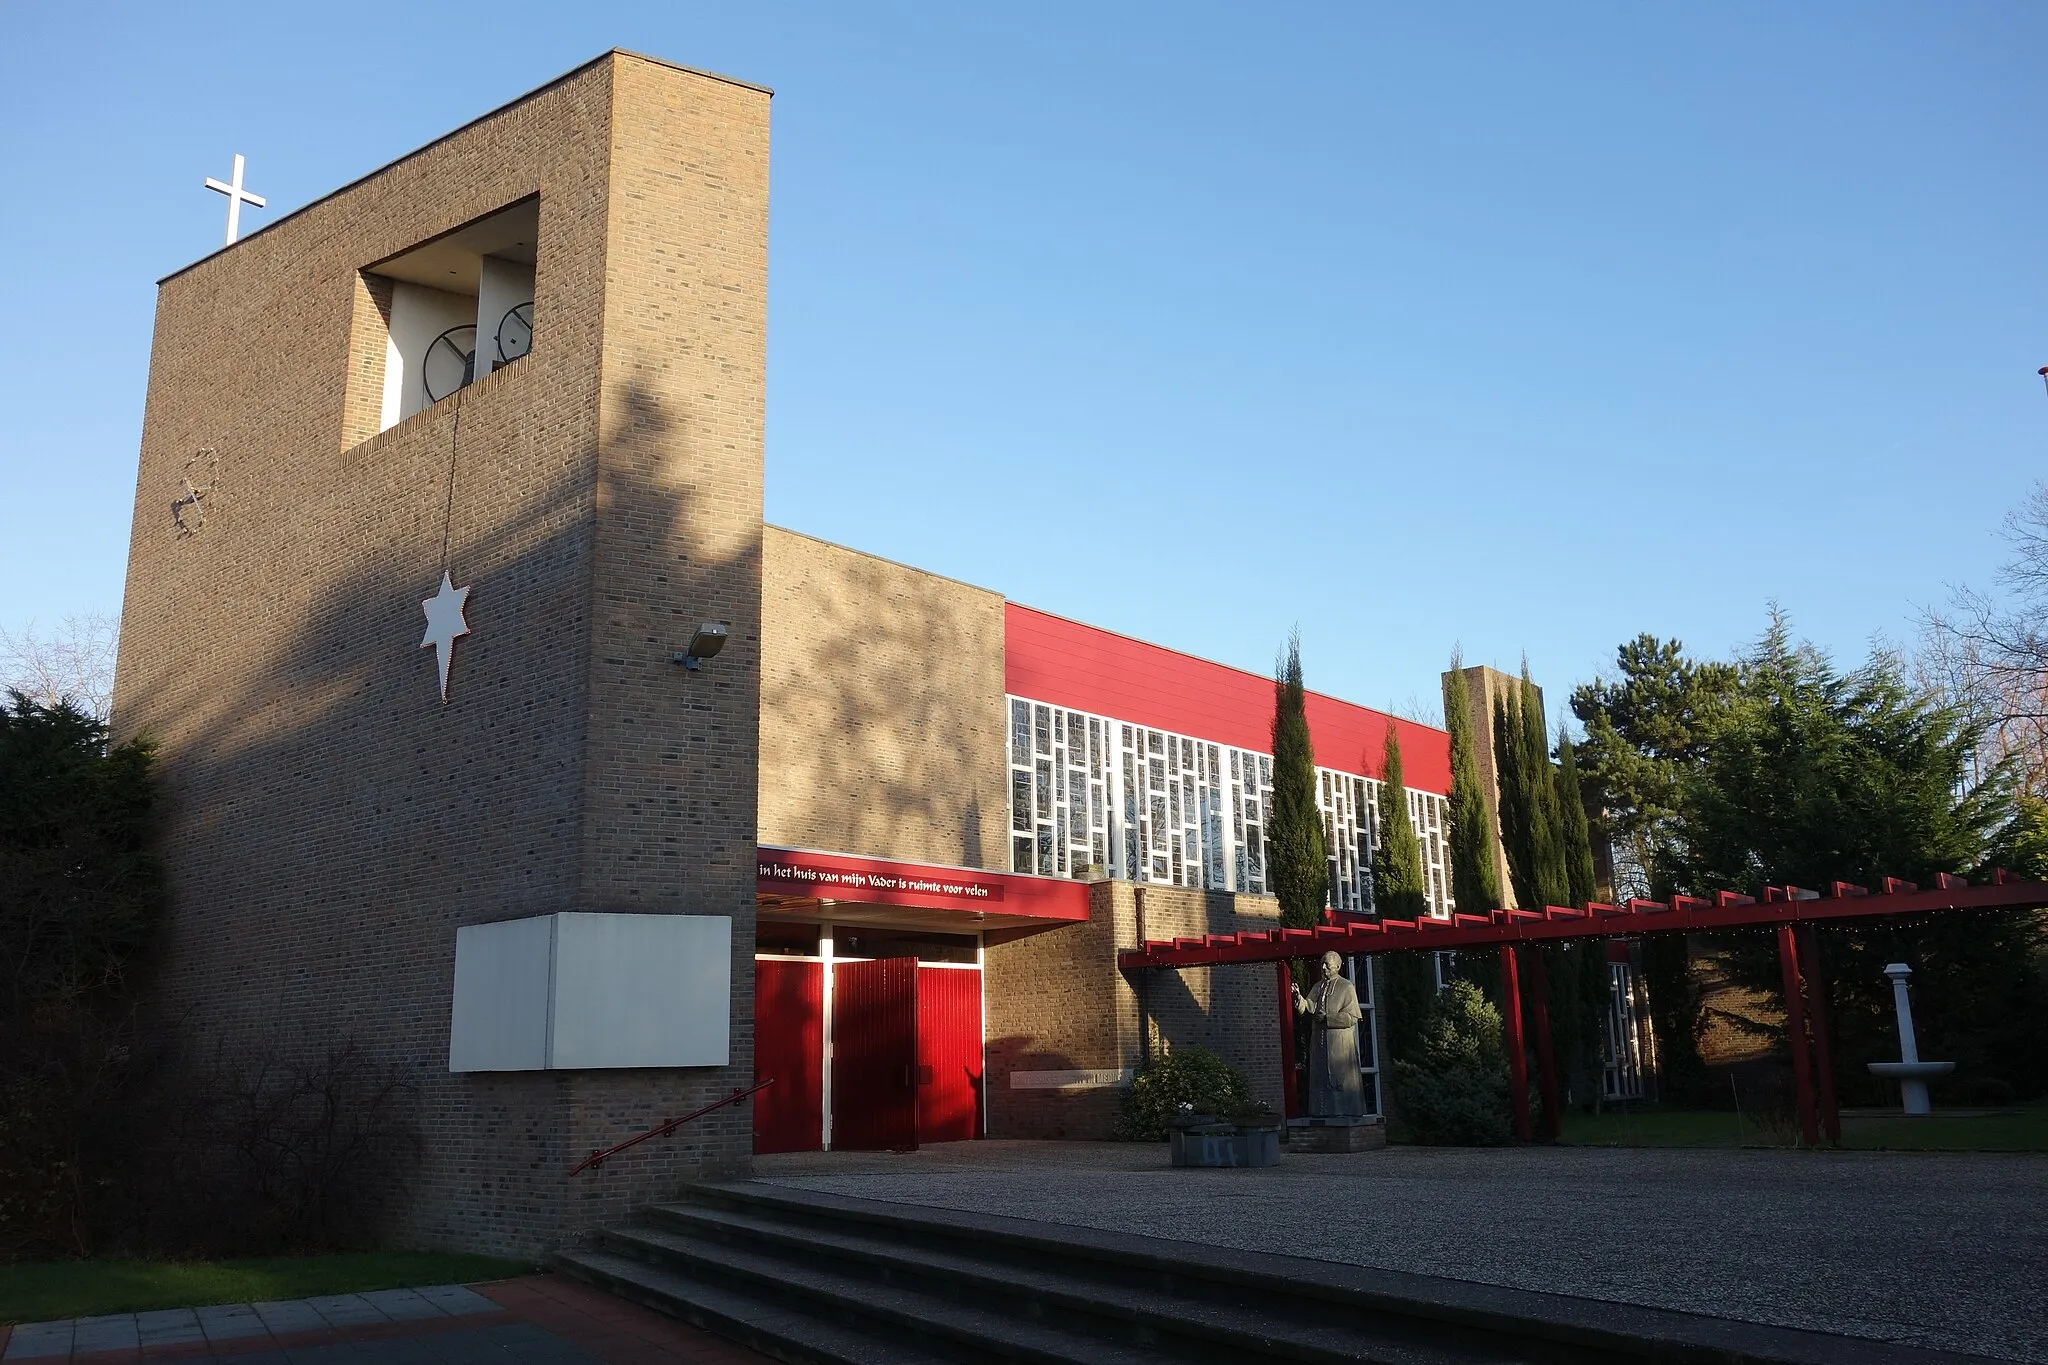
[(1297, 860), (1813, 773), (1645, 732), (1398, 888)]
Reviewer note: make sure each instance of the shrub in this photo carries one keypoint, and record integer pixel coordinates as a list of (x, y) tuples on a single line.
[(81, 899), (1453, 1091), (1191, 1076), (114, 1136), (1984, 1092)]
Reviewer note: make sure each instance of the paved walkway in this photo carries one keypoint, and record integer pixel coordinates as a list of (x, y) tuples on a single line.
[(537, 1320), (1928, 1249)]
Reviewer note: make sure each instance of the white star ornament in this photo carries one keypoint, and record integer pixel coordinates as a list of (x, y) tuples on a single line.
[(445, 624)]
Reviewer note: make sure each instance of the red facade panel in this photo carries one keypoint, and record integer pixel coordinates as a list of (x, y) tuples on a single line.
[(789, 1045), (874, 1055), (948, 1054), (1051, 659)]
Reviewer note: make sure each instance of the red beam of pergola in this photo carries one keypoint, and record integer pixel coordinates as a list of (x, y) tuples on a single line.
[(1791, 911)]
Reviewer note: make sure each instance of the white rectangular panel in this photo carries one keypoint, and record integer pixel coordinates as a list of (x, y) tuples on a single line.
[(588, 991), (502, 996), (642, 990), (1070, 1080)]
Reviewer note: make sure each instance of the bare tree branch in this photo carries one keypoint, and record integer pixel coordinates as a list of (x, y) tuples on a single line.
[(1989, 654), (74, 662)]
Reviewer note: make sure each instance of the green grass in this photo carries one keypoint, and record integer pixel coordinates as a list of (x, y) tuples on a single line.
[(40, 1291), (1647, 1127), (2022, 1130)]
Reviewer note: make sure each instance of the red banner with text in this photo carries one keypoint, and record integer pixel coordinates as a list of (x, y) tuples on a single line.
[(880, 881)]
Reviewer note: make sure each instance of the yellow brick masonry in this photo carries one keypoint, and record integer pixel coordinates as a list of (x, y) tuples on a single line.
[(327, 822), (882, 713), (1056, 1002)]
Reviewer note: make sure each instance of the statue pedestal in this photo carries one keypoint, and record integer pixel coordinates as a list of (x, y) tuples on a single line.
[(1223, 1144), (1360, 1133)]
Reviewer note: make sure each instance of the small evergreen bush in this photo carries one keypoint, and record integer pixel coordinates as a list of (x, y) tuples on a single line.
[(1192, 1076), (1453, 1090)]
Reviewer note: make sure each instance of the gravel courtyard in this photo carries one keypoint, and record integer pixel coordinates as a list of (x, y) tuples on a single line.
[(1946, 1250)]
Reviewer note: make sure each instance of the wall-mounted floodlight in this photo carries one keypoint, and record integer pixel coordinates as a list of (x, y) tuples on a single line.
[(705, 644)]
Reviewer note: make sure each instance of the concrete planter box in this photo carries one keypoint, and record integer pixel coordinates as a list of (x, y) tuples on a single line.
[(1223, 1144)]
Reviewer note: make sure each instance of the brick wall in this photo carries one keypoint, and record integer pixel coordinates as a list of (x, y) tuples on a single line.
[(1056, 1002), (671, 757), (327, 821), (881, 708)]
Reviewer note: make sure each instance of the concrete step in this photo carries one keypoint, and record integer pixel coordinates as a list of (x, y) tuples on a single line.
[(858, 1314), (807, 1276), (763, 1322), (1105, 1307)]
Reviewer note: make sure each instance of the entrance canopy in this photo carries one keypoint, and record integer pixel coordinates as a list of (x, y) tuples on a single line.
[(1779, 905), (803, 883)]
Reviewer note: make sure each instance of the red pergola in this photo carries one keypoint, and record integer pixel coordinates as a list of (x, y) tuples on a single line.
[(1792, 911)]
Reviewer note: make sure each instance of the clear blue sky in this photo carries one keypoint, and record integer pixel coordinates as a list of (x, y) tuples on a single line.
[(1526, 327)]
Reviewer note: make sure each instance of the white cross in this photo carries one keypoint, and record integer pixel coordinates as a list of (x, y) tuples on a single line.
[(237, 196)]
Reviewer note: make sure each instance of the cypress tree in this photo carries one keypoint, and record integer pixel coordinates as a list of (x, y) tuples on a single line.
[(1580, 984), (1398, 888), (1297, 860), (1546, 821), (1475, 877), (1475, 873), (1407, 989), (1399, 892), (1545, 866), (1529, 816), (1514, 803), (1575, 829)]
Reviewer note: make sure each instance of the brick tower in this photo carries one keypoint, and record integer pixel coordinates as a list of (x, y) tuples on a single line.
[(529, 355)]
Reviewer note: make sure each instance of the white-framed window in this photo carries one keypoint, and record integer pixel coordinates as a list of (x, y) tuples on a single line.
[(1631, 1047), (1360, 970), (1148, 805)]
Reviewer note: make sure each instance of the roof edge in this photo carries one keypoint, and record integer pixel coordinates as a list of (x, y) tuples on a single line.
[(1217, 663), (882, 559)]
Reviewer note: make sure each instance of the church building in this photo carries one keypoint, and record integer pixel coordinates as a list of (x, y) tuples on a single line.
[(501, 740)]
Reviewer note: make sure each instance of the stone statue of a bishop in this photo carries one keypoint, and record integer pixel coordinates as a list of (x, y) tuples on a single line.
[(1336, 1088)]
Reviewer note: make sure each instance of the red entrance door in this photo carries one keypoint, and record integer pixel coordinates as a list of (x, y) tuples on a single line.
[(874, 1055), (789, 1045), (948, 1054)]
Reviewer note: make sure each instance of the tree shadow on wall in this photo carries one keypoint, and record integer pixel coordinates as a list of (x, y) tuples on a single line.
[(328, 822), (881, 671), (1048, 1114)]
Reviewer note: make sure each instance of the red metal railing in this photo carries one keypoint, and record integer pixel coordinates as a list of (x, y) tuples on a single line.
[(598, 1158)]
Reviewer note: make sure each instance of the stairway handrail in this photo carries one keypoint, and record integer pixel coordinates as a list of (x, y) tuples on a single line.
[(598, 1158)]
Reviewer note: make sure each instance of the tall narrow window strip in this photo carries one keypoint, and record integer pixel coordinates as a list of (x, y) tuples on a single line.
[(1148, 805)]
